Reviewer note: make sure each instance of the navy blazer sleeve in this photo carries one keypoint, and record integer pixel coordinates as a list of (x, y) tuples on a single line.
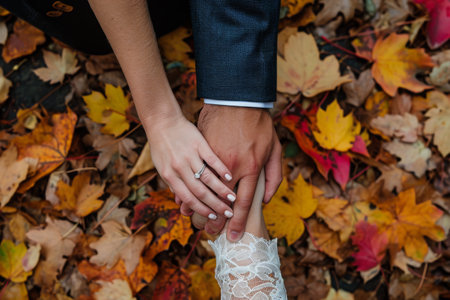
[(235, 45)]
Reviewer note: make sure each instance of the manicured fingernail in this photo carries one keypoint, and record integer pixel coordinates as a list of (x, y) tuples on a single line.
[(228, 214), (228, 177), (231, 197), (212, 216), (235, 236)]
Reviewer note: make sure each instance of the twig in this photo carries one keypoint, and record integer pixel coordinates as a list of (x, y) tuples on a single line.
[(70, 230), (342, 48), (422, 279)]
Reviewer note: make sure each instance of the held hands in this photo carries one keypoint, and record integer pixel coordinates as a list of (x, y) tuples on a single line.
[(246, 141)]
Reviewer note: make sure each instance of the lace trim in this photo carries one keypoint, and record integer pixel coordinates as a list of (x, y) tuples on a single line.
[(248, 269)]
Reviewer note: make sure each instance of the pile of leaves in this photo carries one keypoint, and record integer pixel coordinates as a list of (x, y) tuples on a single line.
[(363, 113)]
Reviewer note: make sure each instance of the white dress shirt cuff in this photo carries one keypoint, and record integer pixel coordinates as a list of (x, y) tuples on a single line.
[(239, 103)]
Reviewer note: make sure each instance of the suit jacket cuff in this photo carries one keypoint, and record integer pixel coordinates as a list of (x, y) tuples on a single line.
[(239, 103)]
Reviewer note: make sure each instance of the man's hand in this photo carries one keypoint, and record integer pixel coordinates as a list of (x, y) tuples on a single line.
[(245, 140)]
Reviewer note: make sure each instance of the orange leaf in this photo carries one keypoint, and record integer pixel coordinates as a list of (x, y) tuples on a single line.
[(49, 145), (143, 274), (22, 41), (395, 66)]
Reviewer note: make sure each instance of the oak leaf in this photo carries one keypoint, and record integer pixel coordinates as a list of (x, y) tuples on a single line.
[(11, 266), (301, 69), (81, 197), (334, 130), (289, 206), (204, 285), (22, 41), (413, 157), (438, 123), (332, 8), (406, 223), (396, 66), (5, 85), (57, 66), (48, 144), (110, 111), (119, 242)]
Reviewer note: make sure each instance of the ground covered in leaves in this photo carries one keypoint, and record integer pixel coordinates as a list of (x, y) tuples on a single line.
[(363, 113)]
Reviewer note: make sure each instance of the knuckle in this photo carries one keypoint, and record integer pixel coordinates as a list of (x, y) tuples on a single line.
[(202, 193), (177, 164)]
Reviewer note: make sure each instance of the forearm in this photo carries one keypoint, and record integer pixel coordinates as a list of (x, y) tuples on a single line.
[(128, 27)]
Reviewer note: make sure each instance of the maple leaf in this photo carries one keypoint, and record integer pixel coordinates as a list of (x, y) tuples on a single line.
[(22, 41), (57, 66), (294, 6), (336, 131), (325, 239), (338, 215), (144, 162), (174, 48), (81, 197), (395, 66), (57, 240), (119, 242), (172, 283), (437, 29), (413, 157), (5, 85), (117, 289), (406, 127), (108, 147), (371, 246), (11, 266), (301, 69), (332, 8), (110, 111), (289, 206), (204, 285), (438, 123), (170, 225), (406, 222), (48, 144)]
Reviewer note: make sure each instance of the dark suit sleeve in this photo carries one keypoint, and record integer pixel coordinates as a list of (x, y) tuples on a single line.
[(235, 45)]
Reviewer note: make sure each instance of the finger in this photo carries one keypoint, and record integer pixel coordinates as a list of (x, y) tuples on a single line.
[(245, 193), (274, 173), (190, 200), (186, 210), (177, 200), (214, 162), (217, 186), (215, 226)]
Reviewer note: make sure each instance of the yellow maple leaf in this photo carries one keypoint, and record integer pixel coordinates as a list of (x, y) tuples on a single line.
[(395, 66), (406, 223), (81, 197), (11, 266), (204, 285), (57, 66), (110, 111), (294, 6), (438, 123), (174, 48), (291, 204), (301, 69), (336, 131)]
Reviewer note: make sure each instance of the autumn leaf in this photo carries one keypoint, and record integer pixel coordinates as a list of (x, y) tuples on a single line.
[(289, 206), (5, 85), (11, 266), (48, 144), (119, 242), (204, 285), (413, 157), (406, 223), (325, 240), (22, 41), (438, 123), (81, 197), (371, 246), (338, 214), (110, 111), (110, 147), (294, 6), (144, 273), (301, 69), (172, 283), (406, 127), (57, 66), (15, 291), (117, 289), (437, 29), (332, 8), (174, 48), (334, 130), (396, 66), (144, 162)]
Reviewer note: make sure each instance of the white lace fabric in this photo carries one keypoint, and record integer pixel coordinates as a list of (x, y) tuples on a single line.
[(248, 269)]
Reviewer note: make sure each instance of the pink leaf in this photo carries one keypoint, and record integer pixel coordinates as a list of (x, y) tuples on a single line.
[(371, 243), (438, 31)]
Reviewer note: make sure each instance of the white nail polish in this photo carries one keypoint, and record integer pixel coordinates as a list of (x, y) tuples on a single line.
[(231, 197), (228, 214), (228, 177), (212, 216)]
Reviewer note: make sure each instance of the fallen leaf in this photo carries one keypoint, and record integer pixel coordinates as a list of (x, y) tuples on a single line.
[(3, 32), (413, 157), (144, 273), (22, 41), (440, 76), (110, 111), (204, 285), (371, 245), (396, 66), (438, 123), (57, 66), (405, 127), (18, 225), (11, 266), (15, 291), (48, 144), (174, 48), (291, 204), (364, 44), (357, 91), (81, 197), (172, 283), (118, 214), (338, 214), (109, 147), (325, 239), (294, 6), (332, 8), (118, 242), (406, 222), (301, 69), (5, 85), (437, 29), (144, 162), (117, 289), (334, 130)]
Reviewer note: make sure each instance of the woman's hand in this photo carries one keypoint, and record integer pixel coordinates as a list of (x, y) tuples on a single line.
[(178, 151)]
